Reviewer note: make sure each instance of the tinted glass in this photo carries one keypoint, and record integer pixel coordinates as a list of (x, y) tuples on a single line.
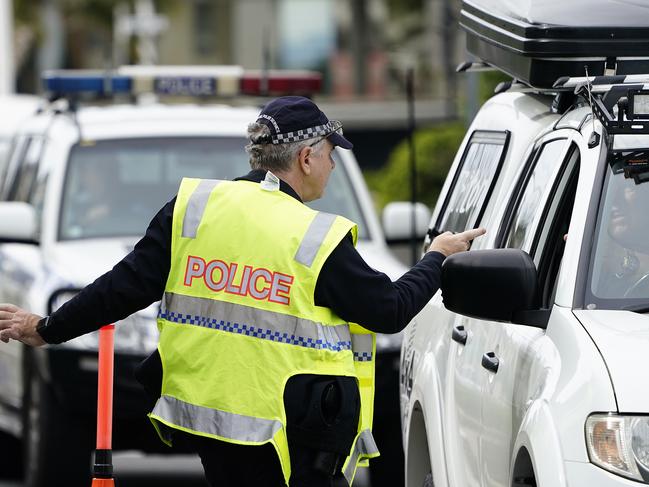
[(538, 185), (475, 177), (620, 264), (115, 187)]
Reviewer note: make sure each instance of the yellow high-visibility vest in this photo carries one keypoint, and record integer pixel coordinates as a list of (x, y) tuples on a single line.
[(238, 317)]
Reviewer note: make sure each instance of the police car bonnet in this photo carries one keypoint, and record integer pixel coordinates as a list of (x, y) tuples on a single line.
[(295, 118)]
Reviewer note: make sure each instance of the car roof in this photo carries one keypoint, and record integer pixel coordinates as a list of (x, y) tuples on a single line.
[(150, 120), (15, 109)]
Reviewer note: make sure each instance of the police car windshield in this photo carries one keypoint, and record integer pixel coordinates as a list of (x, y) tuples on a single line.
[(114, 188), (619, 270)]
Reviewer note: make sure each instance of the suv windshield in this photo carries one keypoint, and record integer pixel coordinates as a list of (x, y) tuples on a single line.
[(619, 274), (115, 187)]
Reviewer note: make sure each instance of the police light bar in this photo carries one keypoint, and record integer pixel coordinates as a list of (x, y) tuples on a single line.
[(280, 82), (194, 81), (81, 81)]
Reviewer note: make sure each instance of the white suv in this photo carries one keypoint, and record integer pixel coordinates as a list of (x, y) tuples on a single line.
[(528, 367), (82, 185)]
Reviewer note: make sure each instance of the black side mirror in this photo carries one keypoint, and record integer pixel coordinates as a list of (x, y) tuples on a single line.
[(496, 285)]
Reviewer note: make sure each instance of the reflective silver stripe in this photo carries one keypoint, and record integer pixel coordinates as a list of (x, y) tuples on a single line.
[(363, 346), (214, 422), (244, 320), (365, 445), (314, 237), (196, 206)]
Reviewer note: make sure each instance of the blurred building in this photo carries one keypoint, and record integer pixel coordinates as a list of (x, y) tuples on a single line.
[(362, 47)]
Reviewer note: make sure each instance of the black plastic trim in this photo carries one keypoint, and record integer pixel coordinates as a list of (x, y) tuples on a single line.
[(460, 335), (103, 465), (490, 362), (583, 267)]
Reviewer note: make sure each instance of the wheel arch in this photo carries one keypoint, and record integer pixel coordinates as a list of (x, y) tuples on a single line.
[(418, 458), (424, 445), (538, 449)]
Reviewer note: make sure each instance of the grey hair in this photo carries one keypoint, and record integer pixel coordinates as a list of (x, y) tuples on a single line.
[(273, 157)]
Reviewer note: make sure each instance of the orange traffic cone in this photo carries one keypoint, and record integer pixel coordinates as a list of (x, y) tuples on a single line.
[(103, 466)]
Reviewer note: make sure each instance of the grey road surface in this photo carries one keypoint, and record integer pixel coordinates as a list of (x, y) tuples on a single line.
[(133, 469)]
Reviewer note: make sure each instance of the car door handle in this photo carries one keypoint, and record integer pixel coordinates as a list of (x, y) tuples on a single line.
[(490, 362), (460, 335)]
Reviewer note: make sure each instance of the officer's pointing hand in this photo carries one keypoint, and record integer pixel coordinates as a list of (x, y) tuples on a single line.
[(450, 243), (18, 324)]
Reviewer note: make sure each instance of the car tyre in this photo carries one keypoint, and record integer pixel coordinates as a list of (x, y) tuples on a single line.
[(56, 447)]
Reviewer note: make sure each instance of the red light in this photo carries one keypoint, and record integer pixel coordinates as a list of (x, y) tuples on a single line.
[(281, 83)]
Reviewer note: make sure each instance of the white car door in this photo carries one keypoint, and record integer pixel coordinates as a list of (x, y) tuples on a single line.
[(461, 380), (18, 264), (536, 220)]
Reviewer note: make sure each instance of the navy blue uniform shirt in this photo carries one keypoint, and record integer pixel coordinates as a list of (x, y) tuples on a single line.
[(346, 284)]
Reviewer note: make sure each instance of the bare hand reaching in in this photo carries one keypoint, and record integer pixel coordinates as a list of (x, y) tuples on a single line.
[(18, 324)]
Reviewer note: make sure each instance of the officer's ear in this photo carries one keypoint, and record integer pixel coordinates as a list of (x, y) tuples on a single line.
[(304, 160)]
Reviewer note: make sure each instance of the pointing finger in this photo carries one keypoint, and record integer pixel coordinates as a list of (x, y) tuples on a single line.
[(471, 234)]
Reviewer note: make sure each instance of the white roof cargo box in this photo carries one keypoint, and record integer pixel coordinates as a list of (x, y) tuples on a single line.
[(539, 41)]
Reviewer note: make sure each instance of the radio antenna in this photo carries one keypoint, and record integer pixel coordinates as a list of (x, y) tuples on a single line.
[(593, 141)]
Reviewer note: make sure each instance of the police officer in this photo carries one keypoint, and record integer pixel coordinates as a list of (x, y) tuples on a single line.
[(268, 313)]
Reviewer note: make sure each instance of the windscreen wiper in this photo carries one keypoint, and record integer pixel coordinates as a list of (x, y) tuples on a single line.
[(638, 309)]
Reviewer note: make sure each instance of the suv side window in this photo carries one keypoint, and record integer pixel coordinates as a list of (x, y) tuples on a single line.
[(542, 211), (536, 184), (473, 182), (27, 169)]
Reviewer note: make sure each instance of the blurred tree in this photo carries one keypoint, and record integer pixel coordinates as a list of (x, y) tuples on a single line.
[(435, 149), (488, 81), (86, 22), (401, 7)]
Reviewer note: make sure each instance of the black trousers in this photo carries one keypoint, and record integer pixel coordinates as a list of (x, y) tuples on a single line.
[(232, 465)]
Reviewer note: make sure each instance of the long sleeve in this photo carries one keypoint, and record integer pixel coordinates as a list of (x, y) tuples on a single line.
[(133, 284), (360, 294)]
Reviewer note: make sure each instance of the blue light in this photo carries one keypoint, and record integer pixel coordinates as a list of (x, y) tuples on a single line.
[(99, 84)]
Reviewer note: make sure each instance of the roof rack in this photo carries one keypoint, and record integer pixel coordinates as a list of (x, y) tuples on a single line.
[(620, 103)]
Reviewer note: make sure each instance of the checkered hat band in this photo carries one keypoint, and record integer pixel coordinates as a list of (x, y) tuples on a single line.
[(305, 134)]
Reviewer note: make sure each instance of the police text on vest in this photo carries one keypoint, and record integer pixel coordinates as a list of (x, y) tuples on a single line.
[(258, 283)]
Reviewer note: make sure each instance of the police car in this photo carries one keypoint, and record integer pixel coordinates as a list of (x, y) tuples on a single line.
[(528, 368), (82, 183), (14, 109)]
